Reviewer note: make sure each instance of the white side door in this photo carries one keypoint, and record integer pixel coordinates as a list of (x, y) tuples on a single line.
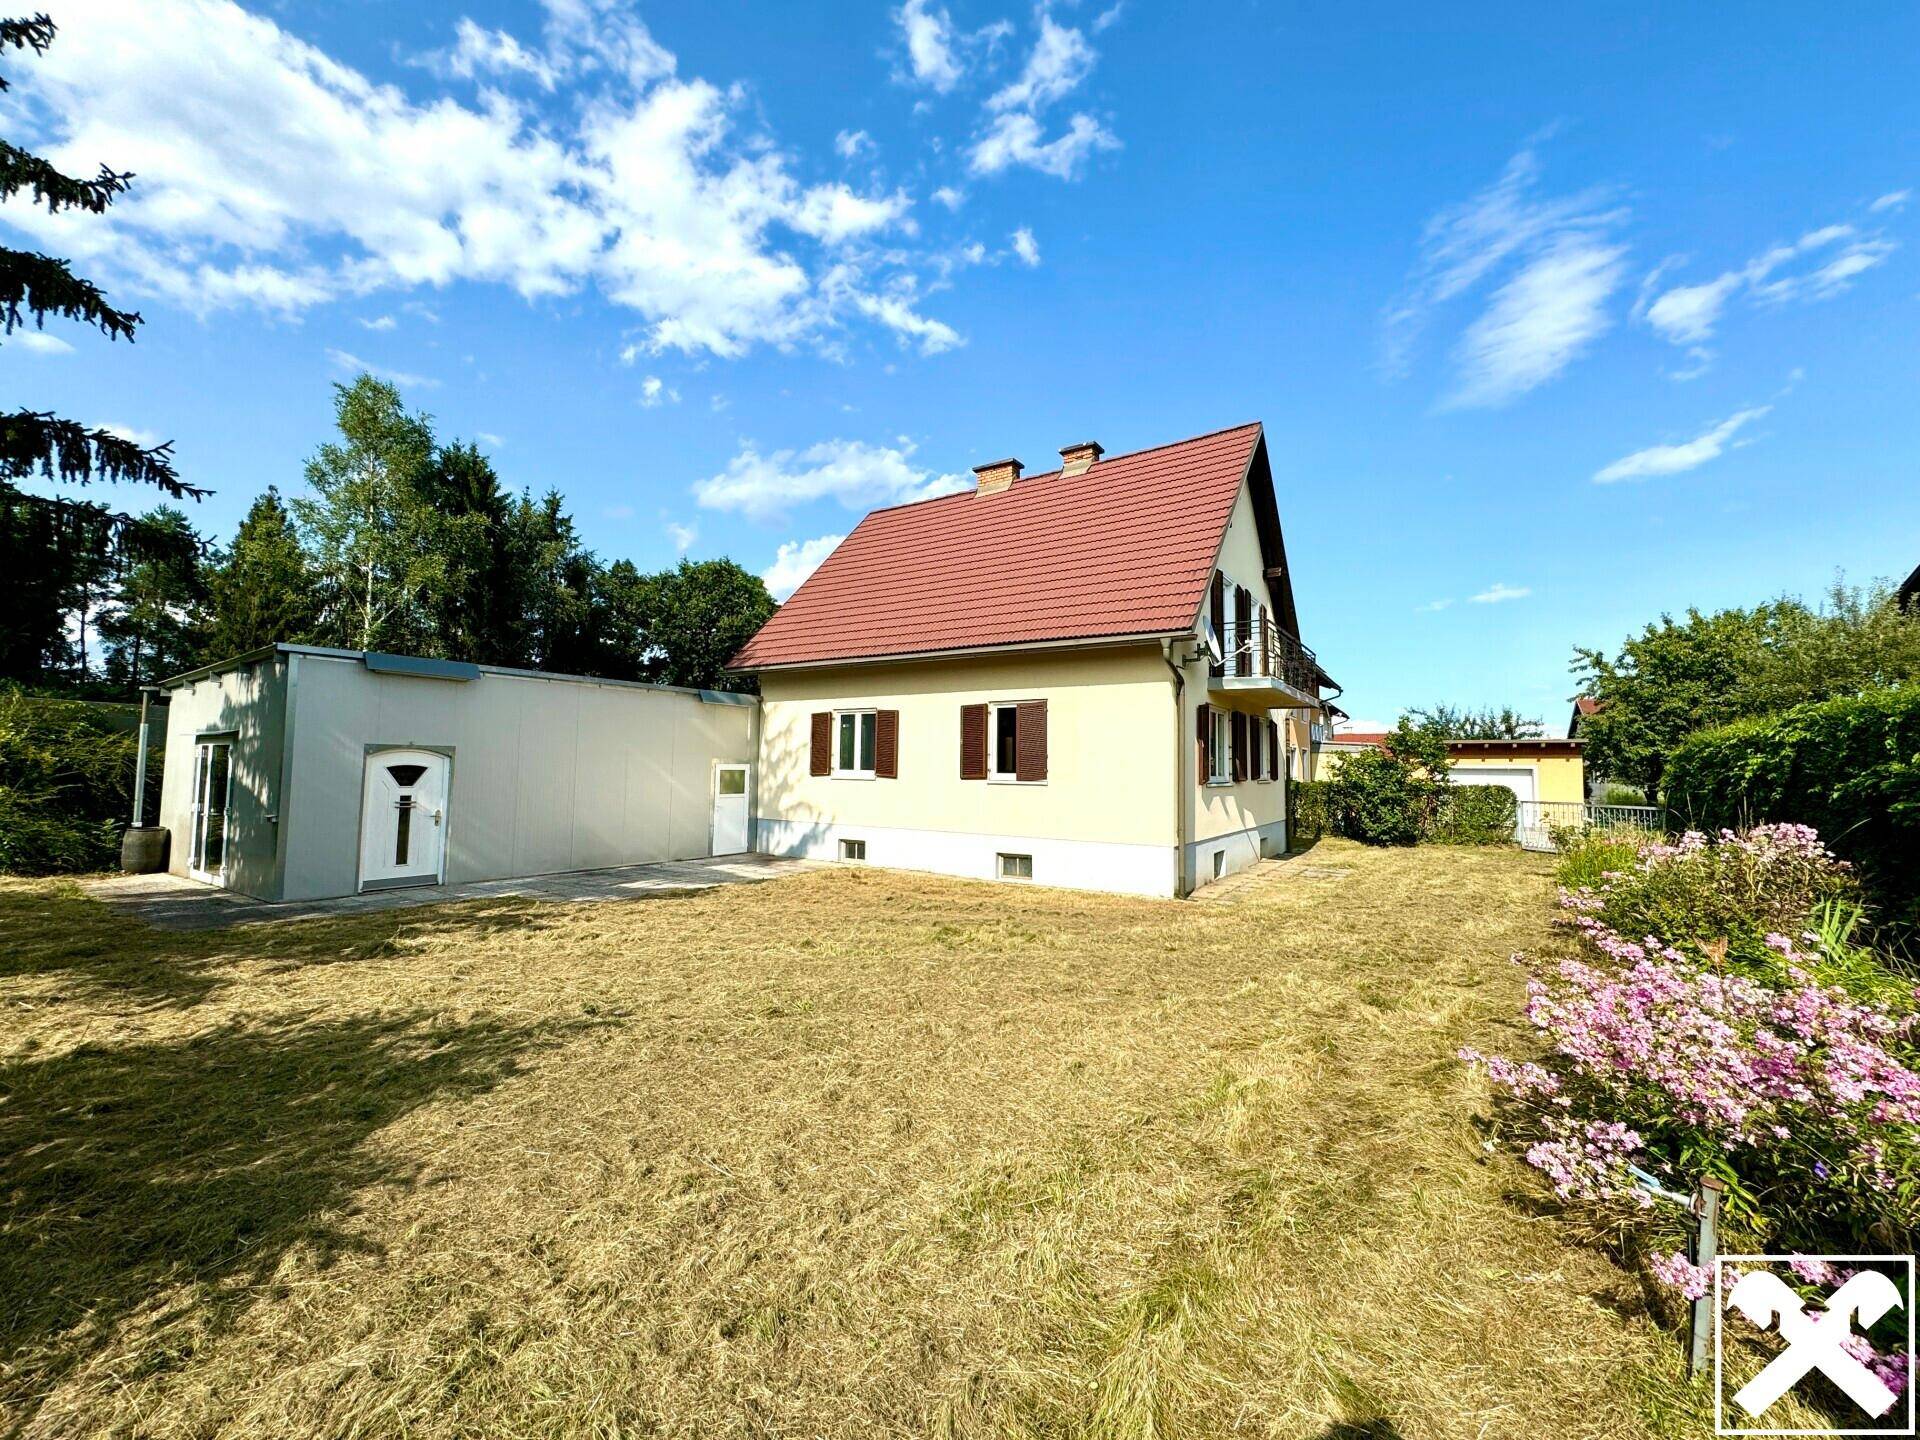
[(730, 791), (403, 819), (212, 792)]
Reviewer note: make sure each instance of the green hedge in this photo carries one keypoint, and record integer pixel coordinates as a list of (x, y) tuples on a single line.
[(1307, 812), (1849, 767), (1476, 815), (66, 777)]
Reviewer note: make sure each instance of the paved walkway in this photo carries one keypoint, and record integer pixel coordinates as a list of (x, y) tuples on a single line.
[(1263, 876), (172, 902)]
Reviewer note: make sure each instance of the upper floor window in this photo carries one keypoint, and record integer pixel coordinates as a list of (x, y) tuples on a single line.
[(854, 743)]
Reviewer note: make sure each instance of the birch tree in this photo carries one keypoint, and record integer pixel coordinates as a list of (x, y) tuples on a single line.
[(372, 537)]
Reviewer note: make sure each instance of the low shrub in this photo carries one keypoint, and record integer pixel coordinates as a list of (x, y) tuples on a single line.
[(1390, 796), (66, 778), (1307, 802), (1850, 768), (1476, 815), (1794, 1078), (1589, 854), (1716, 898)]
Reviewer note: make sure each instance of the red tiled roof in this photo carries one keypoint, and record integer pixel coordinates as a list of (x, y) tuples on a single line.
[(1358, 737), (1127, 548), (1586, 704)]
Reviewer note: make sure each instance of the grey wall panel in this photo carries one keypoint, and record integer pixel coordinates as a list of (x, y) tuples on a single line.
[(548, 775), (249, 703)]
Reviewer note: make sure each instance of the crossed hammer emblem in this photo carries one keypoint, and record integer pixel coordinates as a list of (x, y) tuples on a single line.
[(1813, 1342)]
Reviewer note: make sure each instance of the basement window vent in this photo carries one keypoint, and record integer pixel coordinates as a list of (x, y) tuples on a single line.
[(1016, 867), (1219, 863), (853, 849)]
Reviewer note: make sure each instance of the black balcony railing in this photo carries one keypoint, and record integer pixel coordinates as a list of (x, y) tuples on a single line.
[(1261, 649)]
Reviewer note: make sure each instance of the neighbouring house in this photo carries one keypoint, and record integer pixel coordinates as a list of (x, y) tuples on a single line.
[(1910, 591), (1585, 707), (298, 772), (1089, 677), (1541, 772)]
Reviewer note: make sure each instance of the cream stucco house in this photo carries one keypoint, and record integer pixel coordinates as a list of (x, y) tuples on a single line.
[(1078, 678)]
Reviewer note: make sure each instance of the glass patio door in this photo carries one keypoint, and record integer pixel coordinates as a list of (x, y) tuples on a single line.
[(212, 791)]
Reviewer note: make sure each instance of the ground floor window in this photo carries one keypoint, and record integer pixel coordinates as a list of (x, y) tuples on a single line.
[(1220, 748), (1004, 743), (853, 849), (853, 744), (1016, 867)]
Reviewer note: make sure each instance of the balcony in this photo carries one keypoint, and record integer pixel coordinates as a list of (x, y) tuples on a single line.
[(1263, 667)]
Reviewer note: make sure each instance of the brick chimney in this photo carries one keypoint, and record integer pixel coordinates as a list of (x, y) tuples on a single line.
[(1078, 459), (995, 476)]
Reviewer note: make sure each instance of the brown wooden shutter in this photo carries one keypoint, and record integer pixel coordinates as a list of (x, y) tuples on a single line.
[(886, 744), (1239, 723), (973, 742), (820, 760), (1030, 740), (1242, 631), (1273, 750), (1205, 747), (1219, 608)]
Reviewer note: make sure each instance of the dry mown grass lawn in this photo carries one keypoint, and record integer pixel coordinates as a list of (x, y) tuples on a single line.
[(850, 1154)]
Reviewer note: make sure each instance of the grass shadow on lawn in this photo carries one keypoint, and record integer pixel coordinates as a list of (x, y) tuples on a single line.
[(57, 930), (149, 1186)]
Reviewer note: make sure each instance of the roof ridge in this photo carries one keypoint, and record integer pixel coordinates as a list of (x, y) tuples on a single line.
[(1052, 474)]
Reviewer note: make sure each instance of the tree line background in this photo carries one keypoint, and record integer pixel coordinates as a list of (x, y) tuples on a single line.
[(403, 543)]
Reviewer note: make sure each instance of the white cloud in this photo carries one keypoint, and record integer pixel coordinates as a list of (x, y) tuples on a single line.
[(1500, 591), (354, 365), (1026, 247), (795, 561), (272, 176), (39, 342), (654, 391), (145, 439), (931, 45), (1433, 605), (479, 51), (1562, 269), (1689, 314), (849, 143), (1060, 62), (1676, 459), (857, 475), (487, 437), (683, 536), (1014, 139), (379, 322), (948, 196), (1892, 200), (1539, 322)]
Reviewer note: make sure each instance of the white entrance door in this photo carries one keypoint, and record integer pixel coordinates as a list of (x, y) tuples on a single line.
[(403, 820), (212, 790), (729, 809)]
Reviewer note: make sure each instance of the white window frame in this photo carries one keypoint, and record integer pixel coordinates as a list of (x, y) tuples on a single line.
[(995, 775), (848, 846), (869, 718), (1220, 747), (1000, 865)]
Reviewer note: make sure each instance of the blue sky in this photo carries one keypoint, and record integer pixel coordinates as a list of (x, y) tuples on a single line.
[(1557, 316)]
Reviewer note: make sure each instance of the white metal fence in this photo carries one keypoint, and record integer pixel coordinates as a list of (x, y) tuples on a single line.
[(1538, 819)]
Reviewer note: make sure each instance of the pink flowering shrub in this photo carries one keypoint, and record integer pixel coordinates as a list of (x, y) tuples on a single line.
[(1733, 889), (1803, 1098)]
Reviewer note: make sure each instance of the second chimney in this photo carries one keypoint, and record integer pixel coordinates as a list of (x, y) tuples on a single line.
[(995, 476), (1078, 459)]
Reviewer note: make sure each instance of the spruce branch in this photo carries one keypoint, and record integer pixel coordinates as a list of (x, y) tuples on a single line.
[(40, 285), (37, 442)]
